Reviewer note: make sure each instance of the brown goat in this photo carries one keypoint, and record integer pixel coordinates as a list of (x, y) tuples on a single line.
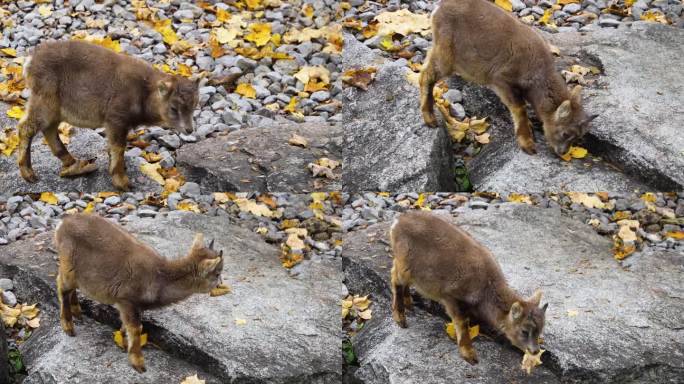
[(482, 43), (446, 265), (111, 266), (90, 86)]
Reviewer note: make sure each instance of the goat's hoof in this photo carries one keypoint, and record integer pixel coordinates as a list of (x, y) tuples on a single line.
[(469, 355), (28, 175), (68, 327), (78, 168), (121, 182), (137, 362), (400, 320), (527, 146)]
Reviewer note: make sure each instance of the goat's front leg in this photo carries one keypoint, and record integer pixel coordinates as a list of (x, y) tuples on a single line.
[(131, 320), (116, 139), (465, 344), (428, 77), (521, 123)]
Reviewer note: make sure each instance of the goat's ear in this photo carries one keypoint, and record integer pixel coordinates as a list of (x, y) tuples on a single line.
[(516, 311), (536, 298), (164, 87), (208, 266), (564, 111), (211, 244), (576, 95), (198, 242)]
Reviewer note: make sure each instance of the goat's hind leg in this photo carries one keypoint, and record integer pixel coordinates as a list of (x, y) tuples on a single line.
[(66, 289)]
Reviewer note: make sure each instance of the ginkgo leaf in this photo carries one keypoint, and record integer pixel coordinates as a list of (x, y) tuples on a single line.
[(45, 10), (89, 208), (16, 112), (48, 197), (504, 4), (239, 321), (649, 197), (589, 201), (222, 15), (253, 207), (246, 90), (328, 163), (151, 170), (547, 18), (119, 341), (226, 36), (575, 153), (188, 206), (260, 34), (294, 242), (224, 197), (530, 361), (359, 78), (8, 142), (403, 22), (220, 290), (473, 331), (519, 198), (677, 235), (309, 74), (9, 51)]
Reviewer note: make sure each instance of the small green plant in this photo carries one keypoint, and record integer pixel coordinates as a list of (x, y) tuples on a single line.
[(348, 351), (462, 180)]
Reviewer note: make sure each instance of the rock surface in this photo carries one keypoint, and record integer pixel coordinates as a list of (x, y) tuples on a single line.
[(291, 332), (92, 357), (84, 144), (628, 322), (4, 363), (386, 145), (640, 116), (640, 99), (260, 159)]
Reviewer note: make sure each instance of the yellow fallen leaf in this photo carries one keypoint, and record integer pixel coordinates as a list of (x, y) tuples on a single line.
[(34, 323), (627, 234), (359, 78), (473, 331), (306, 73), (8, 143), (253, 207), (260, 34), (222, 15), (294, 242), (118, 340), (167, 32), (89, 208), (504, 4), (328, 163), (48, 197), (224, 197), (9, 51), (226, 36), (16, 112), (649, 197), (589, 201), (152, 171), (519, 198), (188, 206), (575, 153), (45, 10), (572, 313), (403, 22), (483, 138), (677, 235), (246, 90), (193, 380), (239, 321), (298, 141), (220, 290), (530, 361), (654, 16)]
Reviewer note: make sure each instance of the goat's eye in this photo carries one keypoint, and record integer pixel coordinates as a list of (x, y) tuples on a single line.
[(526, 334), (174, 110)]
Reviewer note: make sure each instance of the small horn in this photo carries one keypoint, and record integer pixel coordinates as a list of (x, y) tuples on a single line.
[(211, 244), (592, 117)]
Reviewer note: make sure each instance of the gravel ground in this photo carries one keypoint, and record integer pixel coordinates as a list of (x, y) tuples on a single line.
[(318, 214), (659, 214), (293, 31)]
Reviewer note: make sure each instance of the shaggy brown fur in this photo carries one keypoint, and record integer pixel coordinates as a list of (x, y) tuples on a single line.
[(111, 266), (482, 43), (90, 86), (446, 265)]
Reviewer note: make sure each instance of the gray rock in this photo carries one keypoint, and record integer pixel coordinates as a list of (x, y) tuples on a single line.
[(9, 299), (575, 269), (171, 141), (85, 144), (387, 147), (202, 331), (260, 159), (638, 77), (6, 284), (190, 189)]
